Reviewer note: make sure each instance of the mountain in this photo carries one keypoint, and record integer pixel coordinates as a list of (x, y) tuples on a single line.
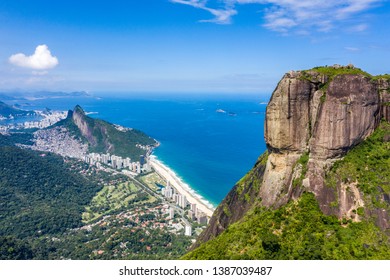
[(322, 189), (53, 205), (7, 111), (22, 95), (104, 137)]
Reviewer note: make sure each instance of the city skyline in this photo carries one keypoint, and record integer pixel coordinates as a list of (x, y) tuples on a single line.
[(229, 46)]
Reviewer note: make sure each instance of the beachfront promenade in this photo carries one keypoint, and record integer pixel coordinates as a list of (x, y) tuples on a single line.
[(181, 187)]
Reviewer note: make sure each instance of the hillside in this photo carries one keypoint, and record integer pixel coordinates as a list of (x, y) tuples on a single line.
[(104, 137), (7, 111), (60, 208), (39, 194), (322, 189)]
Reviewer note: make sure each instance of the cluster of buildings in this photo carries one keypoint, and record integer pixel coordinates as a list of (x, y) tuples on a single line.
[(58, 140), (118, 162), (181, 200), (179, 226), (170, 193), (196, 215), (49, 119), (135, 215)]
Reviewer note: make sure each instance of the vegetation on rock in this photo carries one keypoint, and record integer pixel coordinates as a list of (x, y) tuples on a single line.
[(298, 230), (367, 165), (324, 192), (104, 137)]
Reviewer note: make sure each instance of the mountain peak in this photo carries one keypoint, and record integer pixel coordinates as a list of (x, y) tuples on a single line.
[(79, 110), (325, 132)]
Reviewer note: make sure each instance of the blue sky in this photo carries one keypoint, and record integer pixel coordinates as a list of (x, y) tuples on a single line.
[(206, 46)]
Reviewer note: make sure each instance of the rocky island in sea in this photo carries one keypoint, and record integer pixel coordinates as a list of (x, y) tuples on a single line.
[(321, 190), (71, 183)]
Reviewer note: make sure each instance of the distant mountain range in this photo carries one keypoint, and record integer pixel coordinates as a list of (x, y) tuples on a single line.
[(10, 112), (20, 95)]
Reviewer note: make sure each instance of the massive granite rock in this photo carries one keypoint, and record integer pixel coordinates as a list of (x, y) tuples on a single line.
[(103, 137), (384, 92), (323, 116), (313, 119), (303, 116), (80, 120)]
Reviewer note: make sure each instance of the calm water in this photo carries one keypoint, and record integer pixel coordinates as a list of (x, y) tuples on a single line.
[(209, 150)]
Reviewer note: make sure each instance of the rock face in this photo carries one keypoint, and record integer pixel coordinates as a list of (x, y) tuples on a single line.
[(303, 116), (384, 91), (103, 137), (79, 118), (310, 112), (239, 200), (313, 119), (350, 113)]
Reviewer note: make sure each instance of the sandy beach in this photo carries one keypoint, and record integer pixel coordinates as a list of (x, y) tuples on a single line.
[(181, 187)]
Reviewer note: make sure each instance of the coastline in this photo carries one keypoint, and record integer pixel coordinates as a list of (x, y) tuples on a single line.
[(181, 187)]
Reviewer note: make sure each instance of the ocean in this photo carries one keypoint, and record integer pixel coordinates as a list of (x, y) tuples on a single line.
[(210, 141)]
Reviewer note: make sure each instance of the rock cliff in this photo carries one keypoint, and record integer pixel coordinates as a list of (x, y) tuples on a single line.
[(313, 119), (80, 120), (104, 137)]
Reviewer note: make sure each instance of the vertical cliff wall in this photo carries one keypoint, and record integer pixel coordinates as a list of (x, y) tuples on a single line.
[(313, 119)]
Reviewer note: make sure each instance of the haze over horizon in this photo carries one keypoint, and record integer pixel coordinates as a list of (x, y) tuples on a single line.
[(204, 46)]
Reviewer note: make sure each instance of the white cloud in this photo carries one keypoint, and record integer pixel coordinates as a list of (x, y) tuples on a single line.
[(39, 73), (221, 15), (286, 15), (358, 28), (40, 60), (352, 49)]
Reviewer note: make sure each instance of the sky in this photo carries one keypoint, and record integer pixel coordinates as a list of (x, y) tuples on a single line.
[(184, 46)]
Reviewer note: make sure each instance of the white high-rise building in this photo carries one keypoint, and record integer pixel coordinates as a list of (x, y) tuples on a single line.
[(147, 167), (176, 198), (191, 214), (188, 230), (182, 201), (168, 192), (171, 213), (194, 209), (106, 158), (138, 167)]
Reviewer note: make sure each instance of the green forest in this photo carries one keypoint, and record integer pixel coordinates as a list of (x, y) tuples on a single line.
[(38, 194), (299, 231), (42, 201)]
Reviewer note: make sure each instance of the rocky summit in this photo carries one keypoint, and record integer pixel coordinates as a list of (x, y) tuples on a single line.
[(326, 131), (312, 112)]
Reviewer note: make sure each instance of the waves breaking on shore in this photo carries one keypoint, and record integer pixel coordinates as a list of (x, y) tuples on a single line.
[(196, 196)]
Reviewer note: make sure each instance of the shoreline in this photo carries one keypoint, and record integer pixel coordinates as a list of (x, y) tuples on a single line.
[(181, 187)]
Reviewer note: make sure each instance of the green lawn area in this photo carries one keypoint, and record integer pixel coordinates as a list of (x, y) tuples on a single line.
[(115, 198), (152, 180)]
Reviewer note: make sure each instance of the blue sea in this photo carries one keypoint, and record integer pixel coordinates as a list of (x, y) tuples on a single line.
[(209, 141)]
